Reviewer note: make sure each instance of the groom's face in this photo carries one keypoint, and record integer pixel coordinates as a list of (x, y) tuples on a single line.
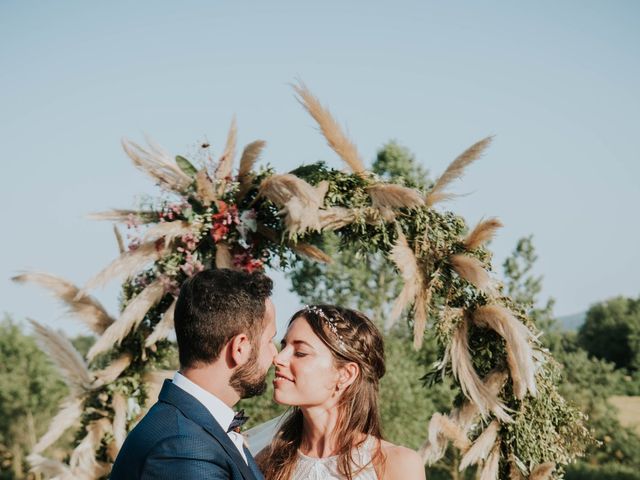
[(249, 379)]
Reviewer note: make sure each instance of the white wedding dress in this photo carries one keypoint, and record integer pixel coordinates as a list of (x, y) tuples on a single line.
[(309, 468)]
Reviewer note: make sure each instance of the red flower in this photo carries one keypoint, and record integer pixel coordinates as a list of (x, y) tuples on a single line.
[(219, 231), (246, 262)]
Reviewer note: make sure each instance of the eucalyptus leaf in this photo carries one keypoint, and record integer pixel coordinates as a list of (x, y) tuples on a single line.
[(186, 166)]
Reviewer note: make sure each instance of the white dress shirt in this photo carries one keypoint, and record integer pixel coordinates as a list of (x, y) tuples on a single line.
[(220, 411)]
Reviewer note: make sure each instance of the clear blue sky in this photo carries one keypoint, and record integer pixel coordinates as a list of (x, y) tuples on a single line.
[(558, 83)]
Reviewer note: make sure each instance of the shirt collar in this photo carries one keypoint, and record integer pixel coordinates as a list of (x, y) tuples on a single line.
[(222, 413)]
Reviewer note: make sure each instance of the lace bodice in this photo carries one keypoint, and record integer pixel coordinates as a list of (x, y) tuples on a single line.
[(309, 468)]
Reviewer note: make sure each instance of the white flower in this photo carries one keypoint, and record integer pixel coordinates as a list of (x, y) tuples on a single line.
[(133, 408)]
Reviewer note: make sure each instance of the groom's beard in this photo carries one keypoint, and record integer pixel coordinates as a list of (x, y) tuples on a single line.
[(247, 380)]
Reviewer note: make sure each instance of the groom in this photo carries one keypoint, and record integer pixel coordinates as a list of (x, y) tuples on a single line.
[(225, 324)]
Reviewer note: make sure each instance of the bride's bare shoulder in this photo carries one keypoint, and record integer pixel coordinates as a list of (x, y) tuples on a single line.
[(401, 463)]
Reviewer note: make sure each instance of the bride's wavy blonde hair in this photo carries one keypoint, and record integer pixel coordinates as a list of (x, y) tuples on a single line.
[(351, 337)]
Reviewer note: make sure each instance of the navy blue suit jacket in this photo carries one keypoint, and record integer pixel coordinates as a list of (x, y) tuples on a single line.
[(178, 439)]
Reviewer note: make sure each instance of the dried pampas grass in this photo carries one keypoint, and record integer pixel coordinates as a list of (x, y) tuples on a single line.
[(332, 132), (514, 471), (334, 218), (164, 326), (48, 467), (441, 430), (249, 157), (158, 164), (121, 246), (472, 387), (455, 170), (301, 201), (154, 380), (407, 264), (481, 447), (131, 317), (467, 414), (472, 270), (388, 195), (421, 313), (127, 264), (204, 188), (69, 414), (85, 307), (225, 164), (482, 233), (64, 355), (83, 458), (519, 351), (111, 372), (124, 216), (119, 406), (312, 252), (491, 467), (542, 471), (281, 188), (168, 231)]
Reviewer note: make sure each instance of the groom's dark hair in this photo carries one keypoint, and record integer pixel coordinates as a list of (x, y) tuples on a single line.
[(213, 307)]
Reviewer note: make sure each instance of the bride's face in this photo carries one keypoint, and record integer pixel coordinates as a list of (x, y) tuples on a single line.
[(305, 371)]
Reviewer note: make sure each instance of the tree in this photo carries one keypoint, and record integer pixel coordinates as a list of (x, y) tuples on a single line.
[(611, 332), (523, 287), (30, 392)]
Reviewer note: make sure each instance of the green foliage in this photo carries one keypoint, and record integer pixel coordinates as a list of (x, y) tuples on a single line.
[(405, 405), (612, 471), (186, 166), (589, 383), (611, 332), (30, 392)]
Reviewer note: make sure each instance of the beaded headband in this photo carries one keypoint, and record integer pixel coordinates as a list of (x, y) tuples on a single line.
[(328, 321)]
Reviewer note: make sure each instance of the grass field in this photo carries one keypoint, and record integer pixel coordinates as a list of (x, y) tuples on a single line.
[(629, 410)]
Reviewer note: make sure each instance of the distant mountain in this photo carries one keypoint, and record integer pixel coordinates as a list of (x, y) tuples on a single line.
[(572, 322)]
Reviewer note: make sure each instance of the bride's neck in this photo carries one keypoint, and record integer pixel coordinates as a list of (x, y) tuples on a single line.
[(318, 429)]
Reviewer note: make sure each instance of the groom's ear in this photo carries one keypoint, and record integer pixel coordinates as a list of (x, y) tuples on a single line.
[(348, 374), (239, 350)]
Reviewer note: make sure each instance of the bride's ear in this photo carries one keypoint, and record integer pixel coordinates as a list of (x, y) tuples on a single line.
[(348, 374)]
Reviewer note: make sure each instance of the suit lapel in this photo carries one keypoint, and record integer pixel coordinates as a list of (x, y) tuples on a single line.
[(194, 410), (253, 465)]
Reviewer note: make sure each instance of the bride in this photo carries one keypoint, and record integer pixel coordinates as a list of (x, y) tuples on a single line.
[(329, 368)]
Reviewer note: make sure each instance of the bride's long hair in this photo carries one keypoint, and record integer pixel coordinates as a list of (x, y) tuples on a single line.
[(351, 337)]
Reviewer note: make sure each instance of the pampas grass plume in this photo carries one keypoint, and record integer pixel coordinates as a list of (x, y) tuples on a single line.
[(482, 233), (332, 132), (85, 307)]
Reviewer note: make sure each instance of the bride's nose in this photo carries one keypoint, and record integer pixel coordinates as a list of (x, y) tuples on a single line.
[(280, 357)]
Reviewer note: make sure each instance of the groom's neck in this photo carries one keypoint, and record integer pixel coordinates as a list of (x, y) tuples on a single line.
[(214, 379)]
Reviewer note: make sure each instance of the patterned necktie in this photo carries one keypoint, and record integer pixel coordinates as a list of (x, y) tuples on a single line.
[(238, 421)]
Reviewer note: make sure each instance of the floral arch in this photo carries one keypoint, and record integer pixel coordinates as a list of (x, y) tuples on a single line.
[(510, 420)]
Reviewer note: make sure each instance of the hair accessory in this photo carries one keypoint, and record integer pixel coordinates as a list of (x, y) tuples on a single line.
[(329, 321)]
